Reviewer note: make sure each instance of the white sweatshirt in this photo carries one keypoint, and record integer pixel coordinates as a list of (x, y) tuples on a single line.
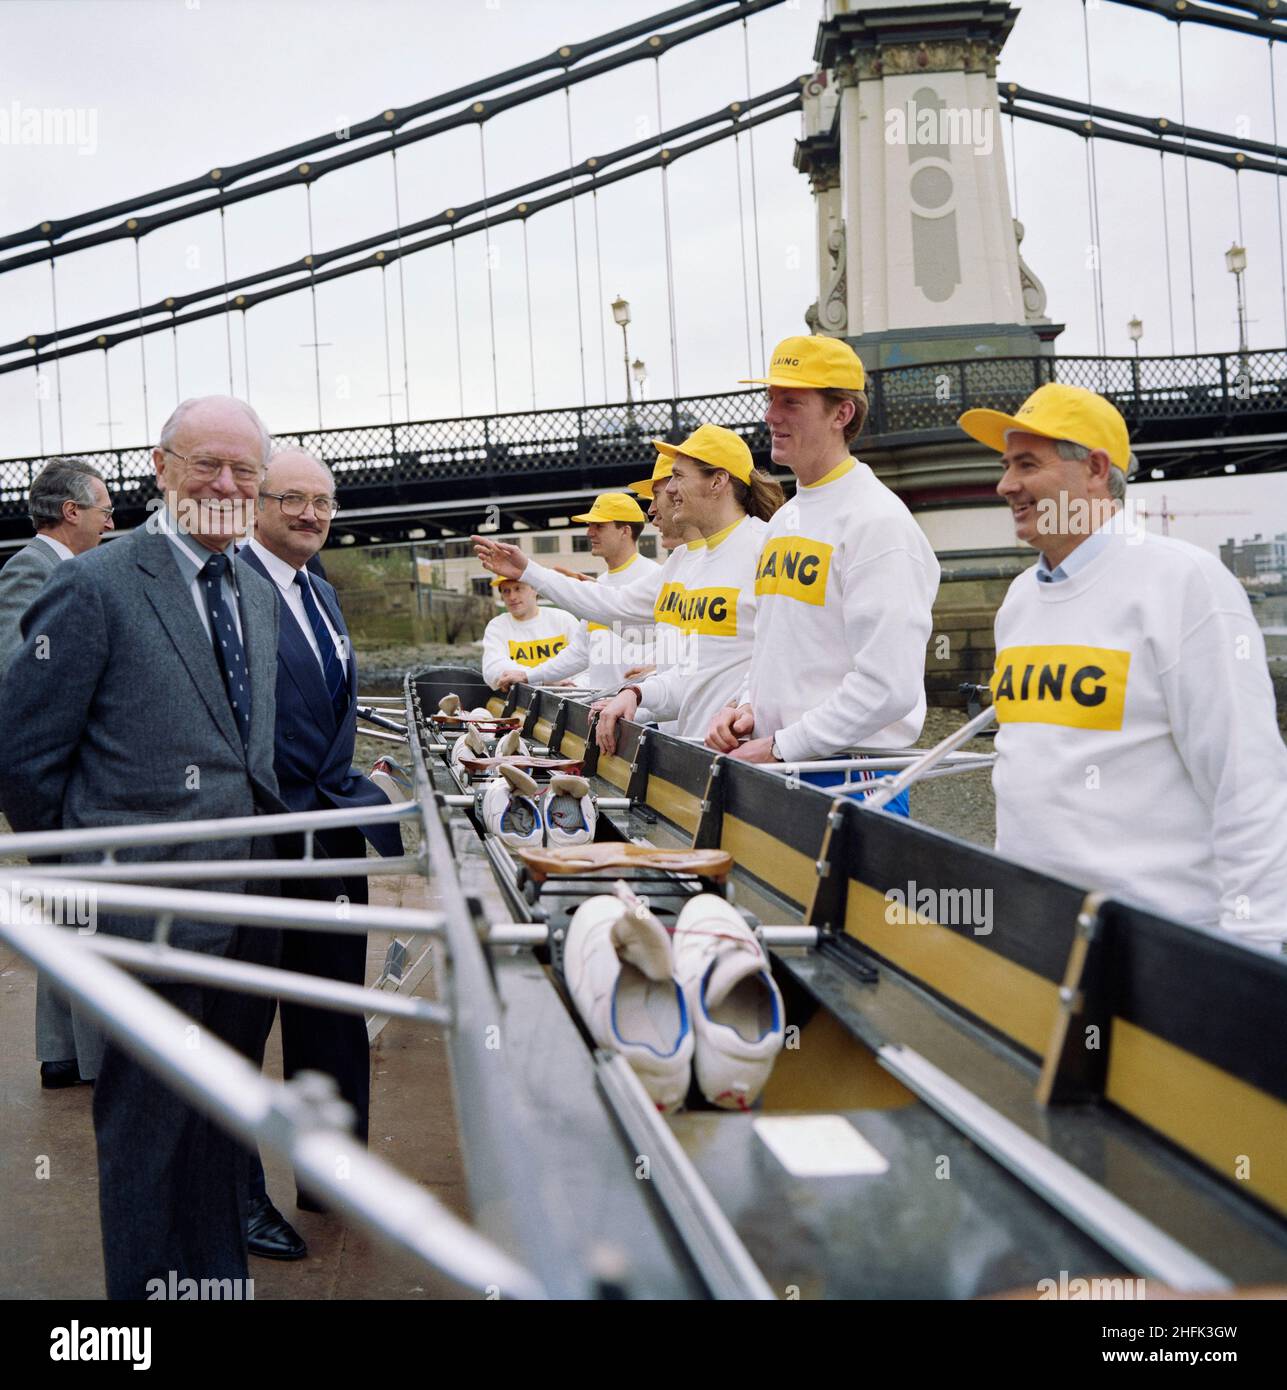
[(508, 643), (845, 583), (714, 605), (601, 655), (1138, 749)]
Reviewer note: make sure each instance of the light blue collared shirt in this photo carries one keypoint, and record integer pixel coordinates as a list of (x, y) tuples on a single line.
[(1076, 560)]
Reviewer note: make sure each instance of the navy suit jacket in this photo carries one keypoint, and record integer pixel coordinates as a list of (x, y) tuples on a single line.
[(313, 755)]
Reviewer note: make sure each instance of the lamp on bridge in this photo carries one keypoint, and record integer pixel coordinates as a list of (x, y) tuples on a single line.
[(1235, 260), (640, 373), (621, 316), (1136, 329)]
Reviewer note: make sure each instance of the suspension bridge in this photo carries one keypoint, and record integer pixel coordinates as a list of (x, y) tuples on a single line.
[(1192, 414)]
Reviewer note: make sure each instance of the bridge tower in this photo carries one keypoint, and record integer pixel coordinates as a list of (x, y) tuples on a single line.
[(918, 250)]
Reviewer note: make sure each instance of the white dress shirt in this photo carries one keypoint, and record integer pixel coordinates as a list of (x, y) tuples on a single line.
[(283, 575), (192, 556), (59, 549)]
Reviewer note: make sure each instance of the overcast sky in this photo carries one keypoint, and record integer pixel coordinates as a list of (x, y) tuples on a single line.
[(168, 89)]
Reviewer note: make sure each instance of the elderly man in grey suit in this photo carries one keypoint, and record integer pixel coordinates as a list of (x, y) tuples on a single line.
[(144, 690), (70, 509)]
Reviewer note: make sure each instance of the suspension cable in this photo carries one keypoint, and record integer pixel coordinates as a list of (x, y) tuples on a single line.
[(1188, 209), (755, 197), (576, 254), (487, 239), (245, 352), (388, 362), (40, 409), (174, 329), (670, 266)]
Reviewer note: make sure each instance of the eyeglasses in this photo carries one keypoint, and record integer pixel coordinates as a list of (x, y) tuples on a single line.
[(95, 507), (293, 503), (206, 470)]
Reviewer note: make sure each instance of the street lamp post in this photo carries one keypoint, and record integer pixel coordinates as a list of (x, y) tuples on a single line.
[(1136, 329), (1235, 260), (640, 373), (621, 315)]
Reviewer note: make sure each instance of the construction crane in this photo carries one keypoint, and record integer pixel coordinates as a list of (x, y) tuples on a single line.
[(1168, 514)]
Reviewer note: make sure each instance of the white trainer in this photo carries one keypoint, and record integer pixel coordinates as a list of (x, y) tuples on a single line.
[(734, 1002), (512, 811), (617, 963), (470, 744), (511, 745), (569, 811)]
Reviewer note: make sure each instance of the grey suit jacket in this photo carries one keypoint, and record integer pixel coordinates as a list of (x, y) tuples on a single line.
[(21, 580), (121, 716)]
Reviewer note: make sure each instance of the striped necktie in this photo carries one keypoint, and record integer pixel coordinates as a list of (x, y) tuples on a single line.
[(229, 652), (337, 685)]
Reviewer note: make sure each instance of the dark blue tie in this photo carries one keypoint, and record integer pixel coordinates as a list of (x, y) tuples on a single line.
[(337, 685), (227, 645)]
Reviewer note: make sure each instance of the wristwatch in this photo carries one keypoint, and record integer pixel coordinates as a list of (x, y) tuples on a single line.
[(775, 750)]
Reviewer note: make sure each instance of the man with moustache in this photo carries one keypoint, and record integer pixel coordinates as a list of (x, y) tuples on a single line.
[(316, 729)]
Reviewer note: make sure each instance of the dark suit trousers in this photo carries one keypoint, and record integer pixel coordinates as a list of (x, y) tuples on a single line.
[(322, 1039), (172, 1183)]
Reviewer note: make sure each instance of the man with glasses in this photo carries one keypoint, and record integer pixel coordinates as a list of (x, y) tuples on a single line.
[(316, 729), (145, 690), (70, 509)]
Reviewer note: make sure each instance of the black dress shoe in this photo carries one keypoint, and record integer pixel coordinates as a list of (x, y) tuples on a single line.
[(55, 1075), (270, 1235)]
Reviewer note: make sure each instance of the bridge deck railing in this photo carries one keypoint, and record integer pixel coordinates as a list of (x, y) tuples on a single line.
[(906, 401)]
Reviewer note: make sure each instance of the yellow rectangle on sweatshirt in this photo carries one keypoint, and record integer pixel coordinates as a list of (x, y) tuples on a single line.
[(795, 567), (536, 650), (1079, 687), (709, 611)]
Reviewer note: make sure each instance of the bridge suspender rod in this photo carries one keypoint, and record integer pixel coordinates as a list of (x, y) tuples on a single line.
[(755, 198), (450, 217), (1166, 242), (138, 288), (576, 253), (40, 409), (661, 160), (402, 288), (107, 384), (245, 352), (1092, 173), (487, 239), (312, 289), (670, 264), (601, 301), (227, 317), (455, 307), (390, 121), (58, 371), (1278, 196), (1014, 167), (527, 287), (174, 329), (1188, 209), (741, 236), (388, 363)]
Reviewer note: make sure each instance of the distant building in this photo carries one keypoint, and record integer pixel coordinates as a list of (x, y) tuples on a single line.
[(1259, 560), (454, 565)]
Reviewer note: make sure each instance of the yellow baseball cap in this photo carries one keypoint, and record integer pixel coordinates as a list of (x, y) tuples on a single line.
[(717, 446), (817, 363), (661, 470), (613, 506), (499, 579), (1057, 412)]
